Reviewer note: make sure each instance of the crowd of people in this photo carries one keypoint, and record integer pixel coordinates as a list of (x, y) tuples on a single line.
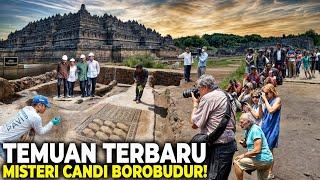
[(257, 98), (286, 60)]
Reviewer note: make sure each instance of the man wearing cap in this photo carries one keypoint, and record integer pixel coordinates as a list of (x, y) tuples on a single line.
[(261, 61), (140, 76), (82, 74), (62, 75), (93, 72), (26, 120), (202, 62)]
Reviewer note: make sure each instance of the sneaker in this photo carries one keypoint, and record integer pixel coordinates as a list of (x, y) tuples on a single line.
[(68, 96), (135, 99), (92, 95), (271, 176), (138, 101)]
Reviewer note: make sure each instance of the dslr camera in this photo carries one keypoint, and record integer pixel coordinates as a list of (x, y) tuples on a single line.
[(187, 93)]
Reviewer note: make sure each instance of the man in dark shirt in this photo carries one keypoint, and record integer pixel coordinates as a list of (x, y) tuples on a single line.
[(140, 77), (62, 75), (279, 57)]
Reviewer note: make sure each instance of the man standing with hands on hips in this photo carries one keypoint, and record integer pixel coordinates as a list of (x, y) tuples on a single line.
[(26, 121), (93, 72)]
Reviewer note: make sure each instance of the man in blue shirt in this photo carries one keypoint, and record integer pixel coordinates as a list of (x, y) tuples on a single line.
[(202, 62), (258, 157)]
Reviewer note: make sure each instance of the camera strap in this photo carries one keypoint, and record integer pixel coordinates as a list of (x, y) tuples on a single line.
[(214, 135)]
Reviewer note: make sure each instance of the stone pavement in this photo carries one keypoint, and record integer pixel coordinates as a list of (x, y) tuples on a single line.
[(302, 79), (119, 118)]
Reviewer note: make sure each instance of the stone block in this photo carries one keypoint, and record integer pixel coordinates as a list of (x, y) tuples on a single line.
[(110, 124), (115, 138), (120, 132), (88, 132), (123, 126), (106, 129), (98, 121), (94, 126), (102, 136)]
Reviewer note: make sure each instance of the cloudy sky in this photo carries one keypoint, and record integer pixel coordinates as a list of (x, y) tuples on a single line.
[(178, 17)]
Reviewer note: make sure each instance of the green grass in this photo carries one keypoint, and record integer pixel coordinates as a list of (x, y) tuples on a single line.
[(146, 61), (237, 75)]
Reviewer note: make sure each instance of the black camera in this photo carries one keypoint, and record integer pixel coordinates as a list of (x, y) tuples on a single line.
[(187, 93), (243, 103)]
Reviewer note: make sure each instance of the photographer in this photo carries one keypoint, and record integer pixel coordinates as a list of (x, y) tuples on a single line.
[(234, 86), (208, 112), (202, 62)]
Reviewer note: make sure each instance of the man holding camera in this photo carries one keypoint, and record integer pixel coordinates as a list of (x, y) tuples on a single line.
[(202, 62), (208, 112)]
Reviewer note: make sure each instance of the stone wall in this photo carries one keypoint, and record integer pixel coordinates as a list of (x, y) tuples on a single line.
[(6, 89), (28, 82), (124, 75)]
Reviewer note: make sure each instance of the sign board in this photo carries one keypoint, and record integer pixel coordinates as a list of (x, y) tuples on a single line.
[(10, 61)]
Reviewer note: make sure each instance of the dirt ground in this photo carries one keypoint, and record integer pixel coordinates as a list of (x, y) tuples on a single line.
[(297, 156)]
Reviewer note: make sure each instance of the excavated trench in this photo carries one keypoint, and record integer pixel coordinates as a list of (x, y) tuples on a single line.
[(110, 116)]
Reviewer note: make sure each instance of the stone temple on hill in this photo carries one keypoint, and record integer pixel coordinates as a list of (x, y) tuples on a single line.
[(108, 37)]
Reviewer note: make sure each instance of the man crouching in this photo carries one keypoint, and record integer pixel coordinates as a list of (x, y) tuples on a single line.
[(208, 112), (27, 119)]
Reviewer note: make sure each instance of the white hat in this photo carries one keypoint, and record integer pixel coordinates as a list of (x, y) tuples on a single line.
[(91, 54), (65, 57), (82, 56), (72, 60)]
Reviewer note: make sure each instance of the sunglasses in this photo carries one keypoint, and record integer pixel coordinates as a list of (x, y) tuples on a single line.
[(256, 97)]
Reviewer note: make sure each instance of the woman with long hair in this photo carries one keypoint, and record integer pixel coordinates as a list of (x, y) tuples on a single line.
[(271, 117)]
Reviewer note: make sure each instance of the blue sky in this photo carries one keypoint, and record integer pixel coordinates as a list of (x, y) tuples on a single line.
[(178, 17)]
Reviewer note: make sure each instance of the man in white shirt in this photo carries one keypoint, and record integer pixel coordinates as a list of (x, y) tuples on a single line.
[(27, 120), (187, 61), (93, 72)]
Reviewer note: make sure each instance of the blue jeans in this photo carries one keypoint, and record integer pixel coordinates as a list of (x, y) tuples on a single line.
[(219, 160), (2, 152), (70, 88), (201, 71), (91, 86)]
